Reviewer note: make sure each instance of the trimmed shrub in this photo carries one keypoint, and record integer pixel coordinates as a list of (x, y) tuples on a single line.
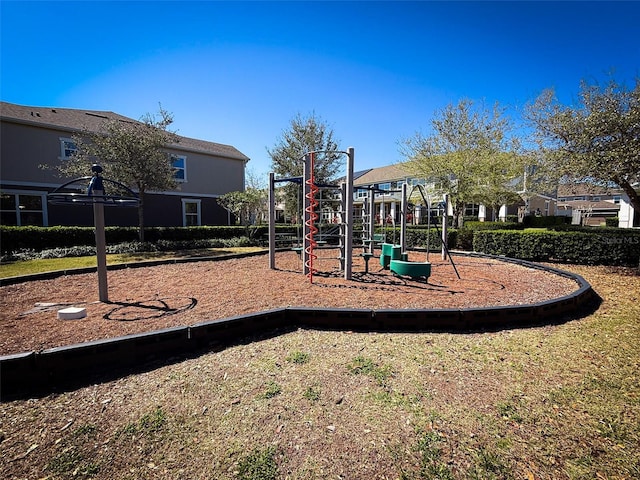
[(545, 221), (417, 237), (493, 226), (14, 239), (595, 247), (612, 222)]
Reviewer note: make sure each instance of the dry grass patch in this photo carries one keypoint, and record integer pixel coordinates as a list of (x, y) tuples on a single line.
[(555, 402)]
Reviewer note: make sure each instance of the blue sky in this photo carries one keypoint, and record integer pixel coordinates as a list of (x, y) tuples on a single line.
[(375, 72)]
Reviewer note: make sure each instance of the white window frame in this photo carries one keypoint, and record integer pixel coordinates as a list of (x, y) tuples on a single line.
[(474, 208), (18, 211), (362, 193), (380, 187), (184, 169), (64, 142), (198, 203)]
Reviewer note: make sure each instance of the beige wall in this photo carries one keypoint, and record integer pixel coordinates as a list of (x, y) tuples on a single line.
[(540, 202), (211, 175), (25, 147)]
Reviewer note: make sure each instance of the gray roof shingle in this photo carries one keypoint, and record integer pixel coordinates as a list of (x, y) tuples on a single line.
[(382, 174), (76, 120)]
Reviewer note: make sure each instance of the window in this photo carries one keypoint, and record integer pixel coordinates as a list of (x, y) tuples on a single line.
[(179, 163), (471, 209), (362, 193), (67, 148), (616, 199), (382, 186), (21, 209), (190, 213)]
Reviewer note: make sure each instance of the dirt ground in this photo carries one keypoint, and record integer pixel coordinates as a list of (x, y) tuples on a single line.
[(151, 298)]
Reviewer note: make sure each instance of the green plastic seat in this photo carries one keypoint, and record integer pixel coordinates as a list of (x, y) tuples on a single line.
[(410, 269)]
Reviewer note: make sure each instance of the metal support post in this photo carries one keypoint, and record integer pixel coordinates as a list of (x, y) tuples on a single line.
[(403, 219), (372, 220), (101, 244), (445, 199), (348, 207), (272, 221)]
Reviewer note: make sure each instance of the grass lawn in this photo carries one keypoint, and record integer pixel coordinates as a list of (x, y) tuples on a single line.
[(551, 402)]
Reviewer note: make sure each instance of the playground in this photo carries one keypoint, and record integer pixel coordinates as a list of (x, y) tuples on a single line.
[(163, 296), (318, 403)]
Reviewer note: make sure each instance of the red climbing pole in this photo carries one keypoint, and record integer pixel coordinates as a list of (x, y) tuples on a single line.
[(311, 220)]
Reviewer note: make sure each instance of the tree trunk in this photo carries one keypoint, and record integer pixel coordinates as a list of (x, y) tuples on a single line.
[(634, 198), (141, 216), (458, 214)]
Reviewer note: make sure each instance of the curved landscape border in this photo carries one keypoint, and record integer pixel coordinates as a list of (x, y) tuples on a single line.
[(72, 366)]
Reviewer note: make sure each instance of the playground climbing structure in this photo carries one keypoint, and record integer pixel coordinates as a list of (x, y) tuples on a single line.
[(308, 250)]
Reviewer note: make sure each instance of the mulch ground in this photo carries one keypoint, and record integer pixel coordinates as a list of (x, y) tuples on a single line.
[(152, 298)]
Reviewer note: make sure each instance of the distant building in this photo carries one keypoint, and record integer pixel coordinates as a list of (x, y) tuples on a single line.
[(33, 136), (588, 205), (627, 216), (386, 182)]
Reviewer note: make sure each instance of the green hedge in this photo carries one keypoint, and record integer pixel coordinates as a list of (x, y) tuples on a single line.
[(545, 221), (584, 228), (493, 226), (595, 247), (417, 237), (13, 239)]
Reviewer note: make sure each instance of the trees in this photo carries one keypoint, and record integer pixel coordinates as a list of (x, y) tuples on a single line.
[(497, 185), (132, 153), (249, 206), (469, 156), (305, 134), (594, 141)]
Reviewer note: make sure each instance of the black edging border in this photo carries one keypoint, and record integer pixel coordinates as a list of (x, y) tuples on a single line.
[(62, 368)]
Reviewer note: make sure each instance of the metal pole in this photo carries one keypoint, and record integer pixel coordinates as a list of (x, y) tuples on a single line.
[(403, 219), (372, 219), (101, 244), (348, 206), (445, 198), (272, 222)]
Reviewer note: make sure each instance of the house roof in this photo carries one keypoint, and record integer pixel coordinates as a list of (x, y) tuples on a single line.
[(382, 174), (601, 205), (75, 120), (583, 189)]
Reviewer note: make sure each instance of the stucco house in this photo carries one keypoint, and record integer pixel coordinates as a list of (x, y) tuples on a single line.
[(628, 217), (591, 205), (35, 136)]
